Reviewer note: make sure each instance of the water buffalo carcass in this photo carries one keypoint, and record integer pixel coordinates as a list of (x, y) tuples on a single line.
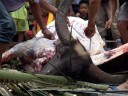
[(72, 59)]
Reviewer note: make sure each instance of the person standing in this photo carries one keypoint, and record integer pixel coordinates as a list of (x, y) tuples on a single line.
[(20, 18), (93, 10), (83, 10), (123, 21), (90, 29), (105, 19), (7, 25)]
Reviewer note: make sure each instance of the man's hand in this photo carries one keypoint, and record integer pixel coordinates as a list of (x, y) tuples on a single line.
[(48, 34), (90, 30), (108, 23)]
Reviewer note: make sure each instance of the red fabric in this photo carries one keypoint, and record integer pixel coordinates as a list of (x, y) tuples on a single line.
[(29, 34)]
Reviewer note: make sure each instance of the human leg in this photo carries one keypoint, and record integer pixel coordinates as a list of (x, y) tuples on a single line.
[(21, 36), (7, 29), (101, 20), (123, 22), (22, 26), (114, 29), (123, 86), (123, 29)]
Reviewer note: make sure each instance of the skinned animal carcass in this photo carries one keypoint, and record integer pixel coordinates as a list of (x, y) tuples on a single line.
[(32, 54), (71, 58), (35, 53)]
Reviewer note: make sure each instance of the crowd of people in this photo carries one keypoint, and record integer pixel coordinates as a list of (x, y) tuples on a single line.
[(110, 16), (90, 30), (79, 8)]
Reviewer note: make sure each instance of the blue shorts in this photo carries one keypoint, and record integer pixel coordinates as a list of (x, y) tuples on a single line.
[(7, 25)]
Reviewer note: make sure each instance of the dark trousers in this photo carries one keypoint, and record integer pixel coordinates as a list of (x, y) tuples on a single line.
[(7, 25)]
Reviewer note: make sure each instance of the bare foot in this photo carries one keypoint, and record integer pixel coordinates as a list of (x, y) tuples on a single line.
[(123, 86)]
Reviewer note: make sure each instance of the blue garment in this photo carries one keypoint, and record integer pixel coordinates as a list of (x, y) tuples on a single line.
[(114, 88), (7, 26), (76, 1), (12, 5)]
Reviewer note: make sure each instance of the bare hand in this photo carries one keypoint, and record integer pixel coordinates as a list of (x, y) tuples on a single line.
[(90, 30), (48, 34), (108, 24)]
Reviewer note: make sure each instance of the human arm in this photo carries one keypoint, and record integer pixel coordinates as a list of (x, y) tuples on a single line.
[(44, 4), (71, 12), (34, 29), (36, 11), (113, 7), (48, 7), (93, 9)]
